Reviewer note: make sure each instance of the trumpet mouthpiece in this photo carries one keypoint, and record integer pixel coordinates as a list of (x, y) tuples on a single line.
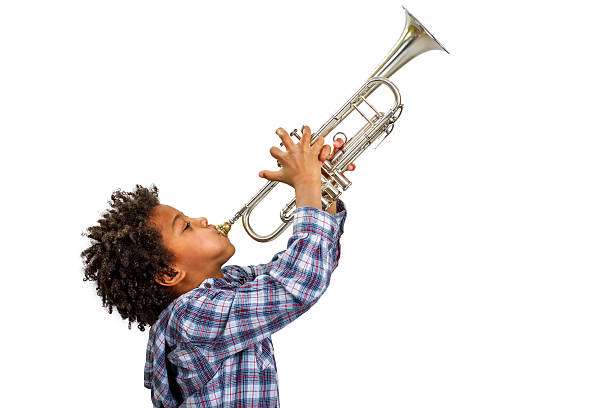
[(223, 228)]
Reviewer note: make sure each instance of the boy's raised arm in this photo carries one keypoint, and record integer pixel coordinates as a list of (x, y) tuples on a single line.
[(223, 322)]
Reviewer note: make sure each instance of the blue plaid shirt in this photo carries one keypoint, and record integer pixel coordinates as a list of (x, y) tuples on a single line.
[(211, 347)]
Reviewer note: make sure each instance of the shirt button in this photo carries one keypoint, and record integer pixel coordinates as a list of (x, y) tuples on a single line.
[(207, 285)]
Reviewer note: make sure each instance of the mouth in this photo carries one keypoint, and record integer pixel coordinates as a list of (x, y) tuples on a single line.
[(212, 227)]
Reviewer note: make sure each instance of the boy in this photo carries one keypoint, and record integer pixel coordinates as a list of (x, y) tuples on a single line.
[(209, 342)]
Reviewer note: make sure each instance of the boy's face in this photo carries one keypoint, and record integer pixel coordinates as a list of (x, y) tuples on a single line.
[(199, 249)]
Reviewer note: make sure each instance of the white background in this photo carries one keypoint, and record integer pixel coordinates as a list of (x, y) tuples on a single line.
[(475, 267)]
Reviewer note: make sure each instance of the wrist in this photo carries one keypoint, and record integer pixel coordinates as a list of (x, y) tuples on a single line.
[(332, 209), (308, 195)]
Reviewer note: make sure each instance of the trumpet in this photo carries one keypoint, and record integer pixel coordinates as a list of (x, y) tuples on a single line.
[(414, 40)]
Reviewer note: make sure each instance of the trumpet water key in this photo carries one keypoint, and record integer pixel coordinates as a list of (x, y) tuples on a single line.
[(414, 40)]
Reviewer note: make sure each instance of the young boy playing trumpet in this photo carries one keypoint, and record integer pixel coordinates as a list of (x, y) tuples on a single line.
[(209, 341)]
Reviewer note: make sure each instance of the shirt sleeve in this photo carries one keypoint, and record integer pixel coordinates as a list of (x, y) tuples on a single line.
[(224, 322), (339, 217)]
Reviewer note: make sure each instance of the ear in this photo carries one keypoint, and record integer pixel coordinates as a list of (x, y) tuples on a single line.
[(166, 280)]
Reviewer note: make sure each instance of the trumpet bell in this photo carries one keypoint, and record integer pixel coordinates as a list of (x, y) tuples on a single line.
[(414, 41)]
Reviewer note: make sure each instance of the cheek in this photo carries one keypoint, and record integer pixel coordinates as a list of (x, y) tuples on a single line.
[(207, 243)]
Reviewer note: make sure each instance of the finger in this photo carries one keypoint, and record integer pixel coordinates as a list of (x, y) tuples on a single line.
[(287, 142), (324, 153), (306, 136), (318, 144), (337, 145), (351, 167), (271, 175), (276, 152)]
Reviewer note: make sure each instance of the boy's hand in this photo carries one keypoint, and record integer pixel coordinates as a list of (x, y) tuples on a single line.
[(300, 161), (326, 155)]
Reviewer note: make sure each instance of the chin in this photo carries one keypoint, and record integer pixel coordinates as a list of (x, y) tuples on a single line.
[(229, 250)]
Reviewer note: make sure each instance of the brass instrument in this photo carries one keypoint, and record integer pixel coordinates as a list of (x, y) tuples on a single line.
[(414, 40)]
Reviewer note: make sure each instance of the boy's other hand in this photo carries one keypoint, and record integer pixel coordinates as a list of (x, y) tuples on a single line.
[(327, 154)]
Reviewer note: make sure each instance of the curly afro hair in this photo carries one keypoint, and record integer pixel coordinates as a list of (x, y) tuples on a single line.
[(126, 255)]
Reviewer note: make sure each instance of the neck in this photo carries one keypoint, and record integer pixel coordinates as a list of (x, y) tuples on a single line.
[(193, 281)]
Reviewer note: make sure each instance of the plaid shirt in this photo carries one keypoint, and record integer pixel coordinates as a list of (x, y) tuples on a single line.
[(211, 347)]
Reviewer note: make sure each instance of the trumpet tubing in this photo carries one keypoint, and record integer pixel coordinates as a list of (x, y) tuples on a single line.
[(414, 40)]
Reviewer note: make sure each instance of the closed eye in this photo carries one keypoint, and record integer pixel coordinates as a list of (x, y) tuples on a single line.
[(187, 225)]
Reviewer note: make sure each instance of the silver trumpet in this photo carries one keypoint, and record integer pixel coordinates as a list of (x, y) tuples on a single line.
[(414, 40)]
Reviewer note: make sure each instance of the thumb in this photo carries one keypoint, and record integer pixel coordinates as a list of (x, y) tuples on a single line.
[(270, 175)]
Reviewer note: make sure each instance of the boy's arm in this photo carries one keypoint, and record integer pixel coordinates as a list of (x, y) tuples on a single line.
[(339, 214), (224, 322)]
